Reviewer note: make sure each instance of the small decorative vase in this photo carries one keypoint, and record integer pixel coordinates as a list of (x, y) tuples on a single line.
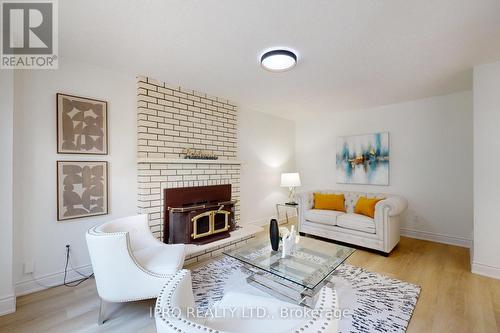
[(274, 234)]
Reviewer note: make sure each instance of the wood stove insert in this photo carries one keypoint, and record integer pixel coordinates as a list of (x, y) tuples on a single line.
[(198, 215)]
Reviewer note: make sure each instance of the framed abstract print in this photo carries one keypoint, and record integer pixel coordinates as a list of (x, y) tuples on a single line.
[(82, 125), (363, 159), (82, 189)]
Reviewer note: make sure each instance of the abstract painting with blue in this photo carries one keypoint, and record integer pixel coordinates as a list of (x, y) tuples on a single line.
[(363, 159)]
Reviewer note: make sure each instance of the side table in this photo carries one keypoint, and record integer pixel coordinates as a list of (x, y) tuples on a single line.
[(287, 206)]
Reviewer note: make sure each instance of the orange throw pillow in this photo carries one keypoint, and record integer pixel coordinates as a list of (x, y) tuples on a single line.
[(366, 206), (329, 201)]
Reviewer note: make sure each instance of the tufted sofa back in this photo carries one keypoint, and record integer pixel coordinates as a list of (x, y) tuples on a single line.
[(351, 198)]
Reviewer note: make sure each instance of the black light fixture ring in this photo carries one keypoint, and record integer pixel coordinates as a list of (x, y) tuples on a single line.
[(278, 52)]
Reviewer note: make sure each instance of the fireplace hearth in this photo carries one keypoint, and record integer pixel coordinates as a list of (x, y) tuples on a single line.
[(198, 215)]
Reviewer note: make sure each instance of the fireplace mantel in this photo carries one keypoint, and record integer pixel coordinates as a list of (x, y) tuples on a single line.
[(143, 160)]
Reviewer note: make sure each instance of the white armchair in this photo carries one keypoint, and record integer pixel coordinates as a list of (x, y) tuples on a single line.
[(129, 263), (174, 312)]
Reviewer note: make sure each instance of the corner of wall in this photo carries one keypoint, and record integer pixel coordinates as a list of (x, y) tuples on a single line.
[(7, 297), (485, 270), (7, 305)]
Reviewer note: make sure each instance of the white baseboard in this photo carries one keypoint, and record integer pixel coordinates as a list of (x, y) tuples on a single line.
[(435, 237), (38, 283), (471, 255), (485, 270), (7, 305)]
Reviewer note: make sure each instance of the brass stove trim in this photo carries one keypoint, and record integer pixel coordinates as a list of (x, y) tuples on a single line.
[(211, 214)]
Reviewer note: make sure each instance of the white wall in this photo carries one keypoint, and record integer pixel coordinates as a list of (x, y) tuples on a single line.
[(486, 259), (7, 299), (431, 160), (38, 234), (266, 149)]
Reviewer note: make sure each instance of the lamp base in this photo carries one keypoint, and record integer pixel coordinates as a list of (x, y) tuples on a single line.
[(291, 197)]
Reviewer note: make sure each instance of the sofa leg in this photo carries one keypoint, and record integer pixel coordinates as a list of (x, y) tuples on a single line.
[(101, 319), (385, 254), (303, 234)]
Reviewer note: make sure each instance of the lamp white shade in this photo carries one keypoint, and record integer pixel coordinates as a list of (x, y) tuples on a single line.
[(290, 179)]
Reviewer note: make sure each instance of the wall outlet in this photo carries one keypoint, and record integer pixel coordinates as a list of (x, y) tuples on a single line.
[(29, 266)]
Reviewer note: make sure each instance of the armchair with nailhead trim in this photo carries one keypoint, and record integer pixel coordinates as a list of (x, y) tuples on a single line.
[(129, 263), (174, 312)]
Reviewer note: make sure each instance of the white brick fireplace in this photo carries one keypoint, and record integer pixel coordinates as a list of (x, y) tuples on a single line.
[(170, 120)]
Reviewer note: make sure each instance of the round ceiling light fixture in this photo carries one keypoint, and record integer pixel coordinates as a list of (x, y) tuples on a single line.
[(278, 60)]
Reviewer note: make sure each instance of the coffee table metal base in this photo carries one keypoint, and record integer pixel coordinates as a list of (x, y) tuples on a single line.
[(283, 289)]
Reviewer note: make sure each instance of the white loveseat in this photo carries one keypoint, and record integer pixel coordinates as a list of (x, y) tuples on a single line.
[(380, 233)]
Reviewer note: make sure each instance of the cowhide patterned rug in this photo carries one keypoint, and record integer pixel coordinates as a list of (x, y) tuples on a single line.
[(375, 302)]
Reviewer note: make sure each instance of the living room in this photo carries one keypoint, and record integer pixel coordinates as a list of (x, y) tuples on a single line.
[(361, 172)]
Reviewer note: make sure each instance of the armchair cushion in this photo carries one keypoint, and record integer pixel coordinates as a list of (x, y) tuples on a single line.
[(322, 216), (244, 303), (140, 235), (356, 222), (161, 259)]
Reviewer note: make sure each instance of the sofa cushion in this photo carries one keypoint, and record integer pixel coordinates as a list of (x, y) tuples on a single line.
[(356, 222), (351, 198), (161, 259), (329, 201), (366, 206), (322, 216)]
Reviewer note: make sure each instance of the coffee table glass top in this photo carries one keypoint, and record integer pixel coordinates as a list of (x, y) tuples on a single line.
[(308, 265)]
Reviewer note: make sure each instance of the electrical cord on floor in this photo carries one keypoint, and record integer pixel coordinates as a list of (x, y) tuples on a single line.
[(75, 283), (76, 271), (67, 284)]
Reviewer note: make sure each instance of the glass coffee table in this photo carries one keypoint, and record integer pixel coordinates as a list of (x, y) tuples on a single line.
[(299, 276)]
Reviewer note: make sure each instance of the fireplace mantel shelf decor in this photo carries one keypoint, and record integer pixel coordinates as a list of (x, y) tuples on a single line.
[(142, 160)]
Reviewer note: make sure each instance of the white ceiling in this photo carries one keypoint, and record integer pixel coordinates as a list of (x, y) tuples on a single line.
[(352, 53)]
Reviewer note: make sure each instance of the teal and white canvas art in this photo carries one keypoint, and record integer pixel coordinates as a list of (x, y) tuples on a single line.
[(363, 159)]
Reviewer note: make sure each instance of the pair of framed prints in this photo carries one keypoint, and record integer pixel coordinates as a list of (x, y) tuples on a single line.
[(82, 129)]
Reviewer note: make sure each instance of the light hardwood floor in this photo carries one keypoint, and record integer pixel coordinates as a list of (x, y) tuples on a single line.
[(452, 299)]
